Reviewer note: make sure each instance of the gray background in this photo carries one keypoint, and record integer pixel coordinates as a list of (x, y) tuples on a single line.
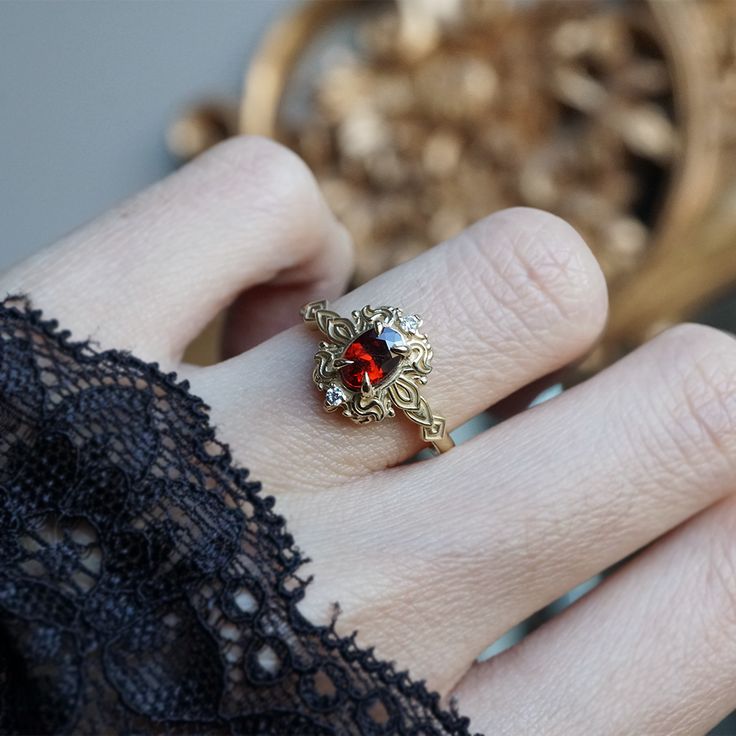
[(87, 90)]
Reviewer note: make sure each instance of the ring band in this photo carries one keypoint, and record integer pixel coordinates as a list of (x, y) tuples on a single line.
[(374, 362)]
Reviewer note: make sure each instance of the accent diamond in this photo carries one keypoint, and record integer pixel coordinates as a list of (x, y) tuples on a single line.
[(410, 323), (334, 396)]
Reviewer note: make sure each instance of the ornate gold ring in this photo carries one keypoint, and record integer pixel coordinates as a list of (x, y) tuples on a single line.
[(374, 362)]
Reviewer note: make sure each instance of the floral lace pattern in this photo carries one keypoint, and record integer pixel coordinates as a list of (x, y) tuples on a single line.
[(146, 584)]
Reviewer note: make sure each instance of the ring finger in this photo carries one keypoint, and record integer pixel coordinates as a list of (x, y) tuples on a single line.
[(512, 299)]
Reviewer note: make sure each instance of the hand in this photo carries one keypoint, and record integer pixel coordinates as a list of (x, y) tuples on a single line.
[(433, 561)]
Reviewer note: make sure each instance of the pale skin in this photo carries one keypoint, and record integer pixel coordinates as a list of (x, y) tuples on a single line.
[(433, 561)]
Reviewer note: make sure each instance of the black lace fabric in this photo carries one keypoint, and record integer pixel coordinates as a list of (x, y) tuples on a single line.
[(146, 584)]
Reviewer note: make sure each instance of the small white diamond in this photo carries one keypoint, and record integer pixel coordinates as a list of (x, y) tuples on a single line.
[(334, 396), (410, 323)]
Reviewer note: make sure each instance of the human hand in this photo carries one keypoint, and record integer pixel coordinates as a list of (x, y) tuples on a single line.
[(433, 561)]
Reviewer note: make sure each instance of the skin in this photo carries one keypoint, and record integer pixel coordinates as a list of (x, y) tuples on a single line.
[(433, 561)]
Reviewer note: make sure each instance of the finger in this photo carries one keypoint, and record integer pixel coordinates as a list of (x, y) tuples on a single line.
[(149, 275), (267, 309), (515, 297), (521, 514), (651, 651)]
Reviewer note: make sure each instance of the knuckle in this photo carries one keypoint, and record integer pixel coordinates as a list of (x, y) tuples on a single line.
[(545, 269), (265, 167), (278, 192), (699, 366)]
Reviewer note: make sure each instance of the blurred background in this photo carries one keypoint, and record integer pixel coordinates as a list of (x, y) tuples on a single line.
[(87, 91), (417, 116)]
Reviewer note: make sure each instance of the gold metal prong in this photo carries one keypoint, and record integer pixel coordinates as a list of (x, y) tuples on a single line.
[(366, 387)]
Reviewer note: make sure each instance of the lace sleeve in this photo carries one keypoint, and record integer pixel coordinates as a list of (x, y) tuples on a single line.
[(146, 585)]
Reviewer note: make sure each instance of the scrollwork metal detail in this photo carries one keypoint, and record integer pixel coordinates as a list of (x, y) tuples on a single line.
[(399, 390)]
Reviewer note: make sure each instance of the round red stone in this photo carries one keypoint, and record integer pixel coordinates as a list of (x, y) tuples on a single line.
[(370, 354)]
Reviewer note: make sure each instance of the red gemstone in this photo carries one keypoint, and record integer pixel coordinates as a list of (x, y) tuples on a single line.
[(370, 354)]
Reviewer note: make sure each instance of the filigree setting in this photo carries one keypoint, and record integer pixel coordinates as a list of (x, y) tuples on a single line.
[(373, 363), (400, 388)]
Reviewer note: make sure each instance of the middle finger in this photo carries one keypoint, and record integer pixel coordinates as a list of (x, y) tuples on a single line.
[(522, 513)]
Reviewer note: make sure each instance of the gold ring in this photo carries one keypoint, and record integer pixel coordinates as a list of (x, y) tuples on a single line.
[(374, 362)]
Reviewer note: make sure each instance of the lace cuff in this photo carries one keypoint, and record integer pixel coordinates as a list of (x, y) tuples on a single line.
[(146, 585)]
